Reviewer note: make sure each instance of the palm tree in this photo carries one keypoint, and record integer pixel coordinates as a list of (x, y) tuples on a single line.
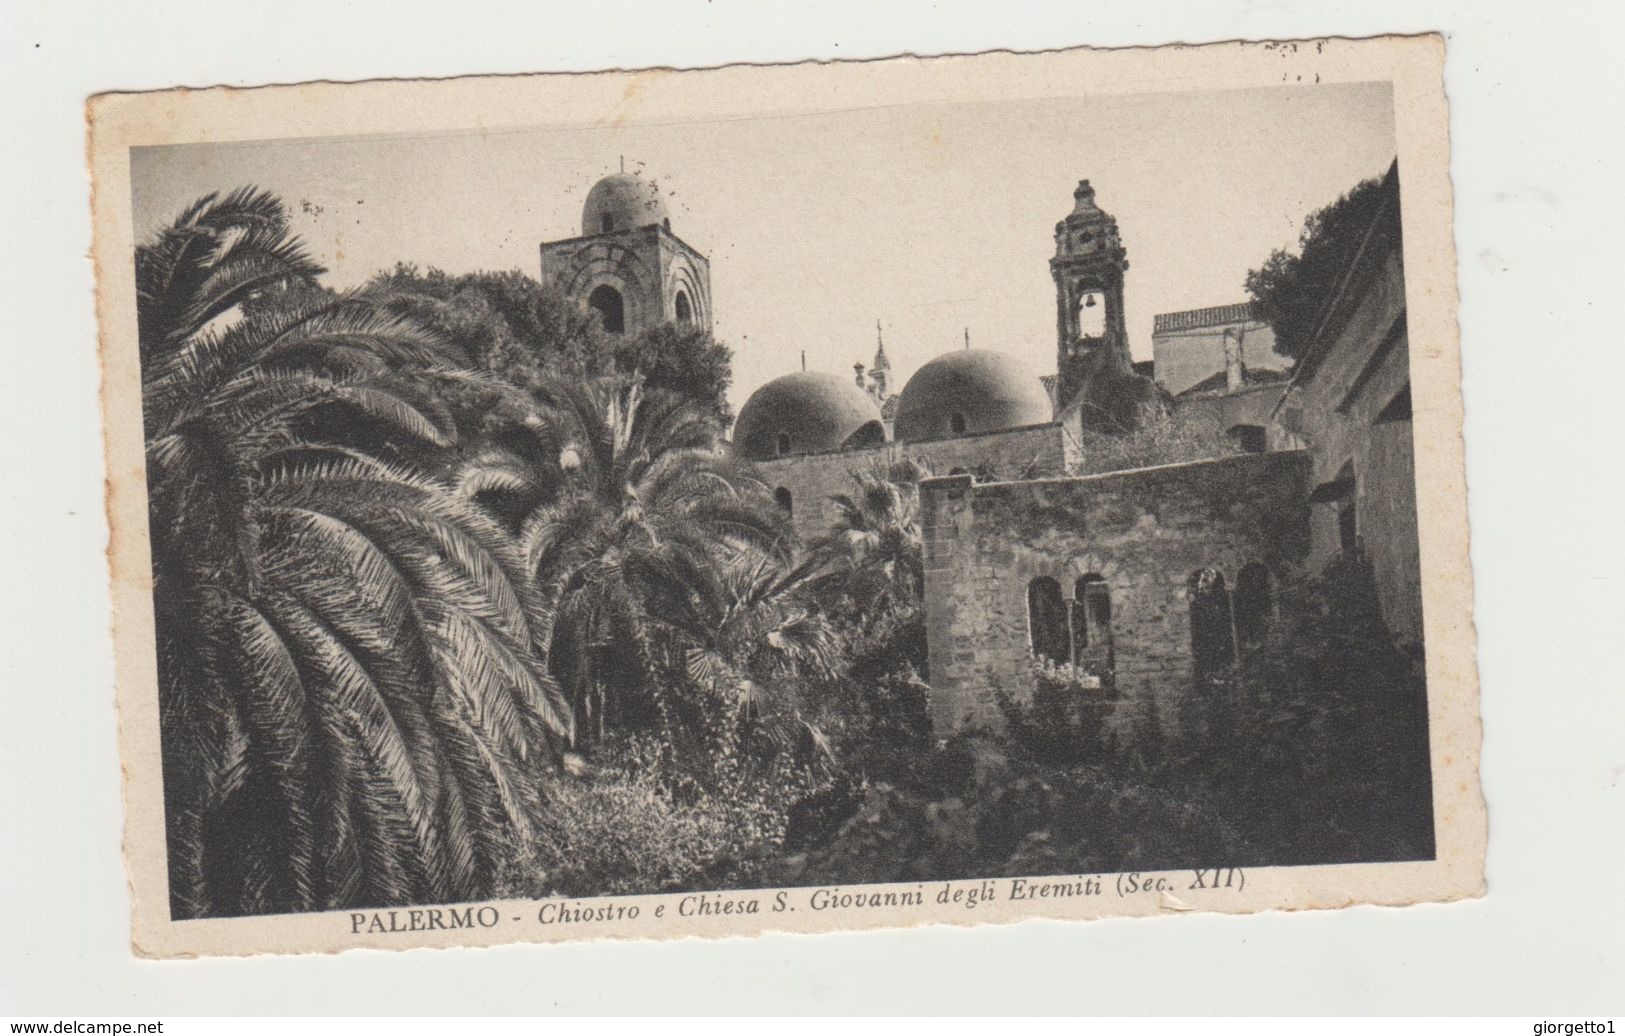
[(633, 522), (350, 696), (873, 553), (733, 631), (219, 253)]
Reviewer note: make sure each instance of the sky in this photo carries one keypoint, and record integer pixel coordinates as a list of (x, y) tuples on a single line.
[(934, 219)]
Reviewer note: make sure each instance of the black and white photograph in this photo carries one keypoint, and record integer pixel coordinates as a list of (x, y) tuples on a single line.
[(837, 516)]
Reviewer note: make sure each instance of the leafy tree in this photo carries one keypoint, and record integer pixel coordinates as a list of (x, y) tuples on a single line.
[(1290, 290), (508, 322), (685, 361), (350, 699), (530, 335)]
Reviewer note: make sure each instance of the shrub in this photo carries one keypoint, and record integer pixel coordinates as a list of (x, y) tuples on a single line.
[(1064, 722), (1016, 817), (1165, 436), (635, 823), (1320, 747)]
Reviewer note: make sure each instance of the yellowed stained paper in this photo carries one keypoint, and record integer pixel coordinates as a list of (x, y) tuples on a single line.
[(806, 498)]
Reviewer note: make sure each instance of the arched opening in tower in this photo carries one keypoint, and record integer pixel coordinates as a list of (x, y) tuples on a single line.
[(685, 311), (611, 309), (1091, 315)]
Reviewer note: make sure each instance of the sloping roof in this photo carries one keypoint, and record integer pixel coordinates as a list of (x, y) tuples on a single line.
[(1212, 316)]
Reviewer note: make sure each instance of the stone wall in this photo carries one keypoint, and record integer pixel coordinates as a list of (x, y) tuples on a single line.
[(1349, 408), (1218, 412), (811, 479), (1144, 531)]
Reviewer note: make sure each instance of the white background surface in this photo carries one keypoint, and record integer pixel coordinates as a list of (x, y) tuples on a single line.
[(1535, 92)]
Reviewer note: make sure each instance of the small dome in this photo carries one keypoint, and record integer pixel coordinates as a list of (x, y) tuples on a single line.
[(967, 392), (622, 201), (806, 412)]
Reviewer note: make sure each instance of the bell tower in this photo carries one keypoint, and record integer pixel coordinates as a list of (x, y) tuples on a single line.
[(627, 265), (1088, 267)]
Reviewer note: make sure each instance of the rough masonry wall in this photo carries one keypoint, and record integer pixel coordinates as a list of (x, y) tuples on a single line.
[(1333, 413), (1033, 452), (1144, 531), (1220, 411), (647, 265)]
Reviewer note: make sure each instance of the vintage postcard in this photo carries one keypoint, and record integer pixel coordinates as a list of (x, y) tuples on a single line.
[(831, 496)]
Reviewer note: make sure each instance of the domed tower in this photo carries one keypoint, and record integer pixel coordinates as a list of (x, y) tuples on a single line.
[(627, 265), (1088, 269)]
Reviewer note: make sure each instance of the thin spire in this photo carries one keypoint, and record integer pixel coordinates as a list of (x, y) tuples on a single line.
[(881, 363), (967, 338), (803, 359), (623, 163)]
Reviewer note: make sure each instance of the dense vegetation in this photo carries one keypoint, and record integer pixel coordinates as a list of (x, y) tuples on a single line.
[(1290, 290), (413, 545), (457, 596)]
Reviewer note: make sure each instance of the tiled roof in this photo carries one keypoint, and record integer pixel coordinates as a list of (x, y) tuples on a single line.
[(1213, 316)]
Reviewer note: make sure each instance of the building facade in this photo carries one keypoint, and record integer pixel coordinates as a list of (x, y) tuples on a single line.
[(1149, 583), (1220, 345), (1116, 574), (1349, 405)]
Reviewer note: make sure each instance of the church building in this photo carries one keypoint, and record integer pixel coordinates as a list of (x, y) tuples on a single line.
[(1147, 581)]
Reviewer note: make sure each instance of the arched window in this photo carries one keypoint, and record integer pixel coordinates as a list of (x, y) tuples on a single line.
[(606, 223), (957, 423), (1094, 605), (1091, 313), (1092, 626), (784, 442), (1213, 648), (1253, 603), (1250, 437), (785, 501), (611, 310), (1046, 620), (685, 312)]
